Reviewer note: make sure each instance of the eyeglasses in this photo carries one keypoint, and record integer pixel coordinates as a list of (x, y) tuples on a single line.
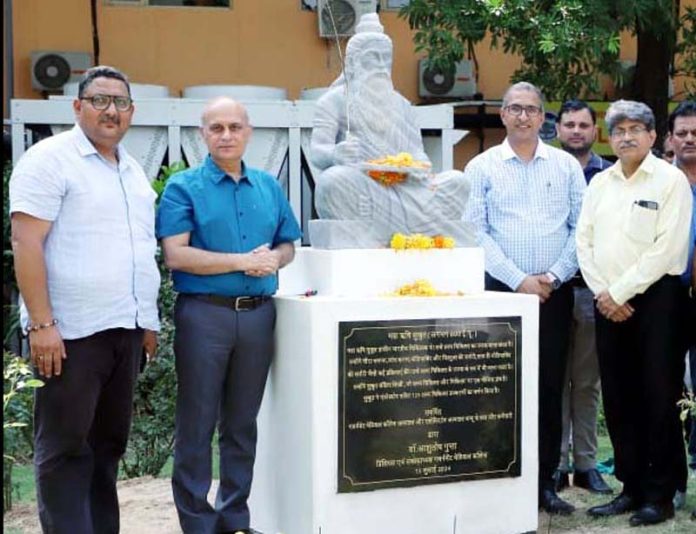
[(633, 131), (516, 110), (102, 102)]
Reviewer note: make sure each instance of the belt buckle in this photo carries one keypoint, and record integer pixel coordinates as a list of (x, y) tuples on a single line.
[(237, 301)]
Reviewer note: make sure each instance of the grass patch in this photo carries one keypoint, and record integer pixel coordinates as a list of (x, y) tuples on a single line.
[(580, 522), (24, 488)]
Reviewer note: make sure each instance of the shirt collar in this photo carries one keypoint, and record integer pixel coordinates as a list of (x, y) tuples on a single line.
[(541, 150), (646, 167), (86, 148), (216, 174), (595, 162)]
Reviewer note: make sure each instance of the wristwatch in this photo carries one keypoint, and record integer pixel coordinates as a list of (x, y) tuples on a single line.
[(555, 282)]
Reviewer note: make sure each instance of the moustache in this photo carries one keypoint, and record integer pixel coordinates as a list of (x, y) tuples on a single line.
[(628, 144), (113, 120)]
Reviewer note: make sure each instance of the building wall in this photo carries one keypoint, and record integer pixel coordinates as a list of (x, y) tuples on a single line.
[(257, 42)]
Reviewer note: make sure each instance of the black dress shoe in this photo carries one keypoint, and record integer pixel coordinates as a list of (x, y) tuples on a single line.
[(560, 480), (553, 504), (621, 505), (651, 514), (592, 481)]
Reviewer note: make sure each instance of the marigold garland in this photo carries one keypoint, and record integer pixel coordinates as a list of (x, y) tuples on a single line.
[(420, 241), (420, 288), (402, 159)]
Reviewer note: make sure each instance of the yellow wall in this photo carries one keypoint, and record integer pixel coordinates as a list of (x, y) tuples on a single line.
[(257, 42)]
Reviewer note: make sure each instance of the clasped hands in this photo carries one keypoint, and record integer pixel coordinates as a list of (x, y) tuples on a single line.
[(536, 284), (262, 261), (611, 310)]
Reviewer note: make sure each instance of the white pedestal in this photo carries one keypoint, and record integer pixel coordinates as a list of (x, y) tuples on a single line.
[(295, 482), (374, 272)]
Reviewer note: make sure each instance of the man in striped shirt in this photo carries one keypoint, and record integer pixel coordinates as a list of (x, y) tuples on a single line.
[(524, 203)]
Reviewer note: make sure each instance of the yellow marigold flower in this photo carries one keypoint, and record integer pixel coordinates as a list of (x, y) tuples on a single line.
[(421, 241), (398, 241), (448, 242)]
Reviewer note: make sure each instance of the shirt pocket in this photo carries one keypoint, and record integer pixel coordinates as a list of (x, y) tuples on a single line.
[(641, 225)]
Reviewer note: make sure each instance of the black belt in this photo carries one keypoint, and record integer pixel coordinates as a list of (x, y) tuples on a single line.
[(236, 303), (578, 281)]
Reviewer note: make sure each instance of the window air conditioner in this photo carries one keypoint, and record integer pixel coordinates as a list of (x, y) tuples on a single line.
[(346, 15), (458, 82), (51, 70)]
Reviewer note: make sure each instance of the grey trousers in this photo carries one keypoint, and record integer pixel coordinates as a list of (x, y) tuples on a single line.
[(222, 362), (582, 388)]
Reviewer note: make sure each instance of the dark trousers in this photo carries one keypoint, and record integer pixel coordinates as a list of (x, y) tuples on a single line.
[(642, 369), (81, 424), (555, 317), (222, 362)]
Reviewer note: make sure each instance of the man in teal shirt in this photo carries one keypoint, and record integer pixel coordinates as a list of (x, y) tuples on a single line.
[(226, 230)]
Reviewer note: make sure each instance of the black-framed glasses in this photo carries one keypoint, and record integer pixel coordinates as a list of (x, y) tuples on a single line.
[(102, 102), (516, 110)]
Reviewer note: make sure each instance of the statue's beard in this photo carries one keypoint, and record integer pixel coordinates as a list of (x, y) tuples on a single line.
[(375, 99), (377, 89)]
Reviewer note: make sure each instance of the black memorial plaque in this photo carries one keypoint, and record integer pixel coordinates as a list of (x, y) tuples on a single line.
[(428, 401)]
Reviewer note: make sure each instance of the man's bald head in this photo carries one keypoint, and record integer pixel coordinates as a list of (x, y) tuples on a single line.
[(223, 103), (226, 131)]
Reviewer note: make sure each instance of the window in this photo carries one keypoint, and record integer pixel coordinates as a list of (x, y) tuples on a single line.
[(393, 5), (388, 5), (174, 3)]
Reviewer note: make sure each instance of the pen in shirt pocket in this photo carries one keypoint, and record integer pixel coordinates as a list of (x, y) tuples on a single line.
[(648, 204)]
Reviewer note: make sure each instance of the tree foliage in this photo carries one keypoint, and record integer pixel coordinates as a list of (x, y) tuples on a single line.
[(566, 46)]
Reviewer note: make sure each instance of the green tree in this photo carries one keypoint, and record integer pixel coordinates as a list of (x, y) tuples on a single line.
[(566, 46)]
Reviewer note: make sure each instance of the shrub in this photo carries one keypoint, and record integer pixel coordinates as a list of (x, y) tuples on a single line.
[(18, 383), (152, 434)]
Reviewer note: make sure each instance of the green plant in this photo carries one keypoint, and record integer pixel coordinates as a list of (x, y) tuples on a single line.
[(687, 406), (18, 382), (566, 47), (686, 52), (152, 434), (167, 171)]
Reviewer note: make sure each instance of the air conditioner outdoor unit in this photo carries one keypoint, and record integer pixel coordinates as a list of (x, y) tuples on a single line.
[(339, 17), (51, 70), (456, 83)]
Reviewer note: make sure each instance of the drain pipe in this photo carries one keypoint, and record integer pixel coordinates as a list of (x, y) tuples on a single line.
[(9, 57)]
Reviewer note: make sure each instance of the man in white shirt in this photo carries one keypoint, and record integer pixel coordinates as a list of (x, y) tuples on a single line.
[(84, 250), (632, 246)]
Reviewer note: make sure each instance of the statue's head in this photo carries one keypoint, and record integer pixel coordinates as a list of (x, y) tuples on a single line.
[(369, 52)]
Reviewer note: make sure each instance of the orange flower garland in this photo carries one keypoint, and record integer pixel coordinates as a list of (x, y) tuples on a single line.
[(420, 242), (391, 177)]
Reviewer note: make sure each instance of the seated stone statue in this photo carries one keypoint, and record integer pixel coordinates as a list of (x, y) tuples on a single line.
[(362, 118)]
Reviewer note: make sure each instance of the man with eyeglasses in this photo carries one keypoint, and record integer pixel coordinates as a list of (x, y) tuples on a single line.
[(577, 131), (226, 230), (632, 246), (84, 251), (525, 200), (682, 137)]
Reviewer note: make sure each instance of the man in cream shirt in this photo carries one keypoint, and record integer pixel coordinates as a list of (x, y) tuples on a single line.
[(632, 246)]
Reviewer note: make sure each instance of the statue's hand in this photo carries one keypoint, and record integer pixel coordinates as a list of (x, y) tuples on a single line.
[(347, 152)]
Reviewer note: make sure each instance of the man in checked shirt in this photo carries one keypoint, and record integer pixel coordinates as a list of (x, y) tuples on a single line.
[(524, 203)]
